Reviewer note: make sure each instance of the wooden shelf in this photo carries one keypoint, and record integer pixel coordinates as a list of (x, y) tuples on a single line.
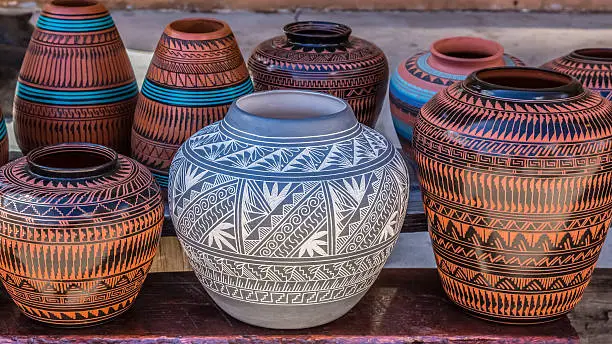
[(404, 306)]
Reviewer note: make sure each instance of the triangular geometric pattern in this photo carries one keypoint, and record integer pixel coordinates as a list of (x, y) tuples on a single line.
[(592, 67), (517, 198), (75, 252), (300, 223), (356, 71)]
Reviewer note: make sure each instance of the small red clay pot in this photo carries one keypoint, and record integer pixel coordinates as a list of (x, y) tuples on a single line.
[(421, 76), (196, 73), (76, 83)]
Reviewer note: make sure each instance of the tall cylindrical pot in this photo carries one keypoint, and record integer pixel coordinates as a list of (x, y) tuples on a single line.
[(196, 72), (288, 208), (324, 57), (76, 82), (517, 187), (418, 78), (592, 67), (80, 228)]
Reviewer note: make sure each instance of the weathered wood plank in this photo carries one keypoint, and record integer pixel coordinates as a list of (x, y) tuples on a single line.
[(404, 306)]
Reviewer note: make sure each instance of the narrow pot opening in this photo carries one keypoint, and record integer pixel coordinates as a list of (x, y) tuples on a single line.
[(73, 3), (600, 54), (293, 105), (524, 83), (197, 26), (467, 48), (317, 32), (72, 160)]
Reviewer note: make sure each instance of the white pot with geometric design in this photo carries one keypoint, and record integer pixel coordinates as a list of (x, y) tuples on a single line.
[(288, 208)]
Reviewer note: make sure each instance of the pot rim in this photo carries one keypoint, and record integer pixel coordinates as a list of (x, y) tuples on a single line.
[(568, 86), (317, 32), (584, 54), (93, 170), (216, 29), (496, 50), (74, 7)]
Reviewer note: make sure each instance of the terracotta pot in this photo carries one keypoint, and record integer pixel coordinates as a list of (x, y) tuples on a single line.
[(4, 141), (288, 208), (324, 57), (80, 228), (196, 72), (421, 76), (517, 190), (76, 82), (592, 67)]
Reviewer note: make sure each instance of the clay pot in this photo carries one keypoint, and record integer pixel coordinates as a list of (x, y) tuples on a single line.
[(421, 76), (592, 67), (516, 186), (196, 72), (80, 228), (288, 208), (4, 141), (324, 57), (76, 82)]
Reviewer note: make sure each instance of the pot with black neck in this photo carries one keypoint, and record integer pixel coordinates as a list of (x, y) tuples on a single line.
[(591, 66), (80, 227), (288, 208), (421, 76), (324, 57), (516, 183)]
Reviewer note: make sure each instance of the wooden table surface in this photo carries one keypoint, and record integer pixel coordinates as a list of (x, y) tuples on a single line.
[(404, 306)]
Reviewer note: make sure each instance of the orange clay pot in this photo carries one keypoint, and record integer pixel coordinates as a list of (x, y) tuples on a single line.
[(517, 185), (80, 228)]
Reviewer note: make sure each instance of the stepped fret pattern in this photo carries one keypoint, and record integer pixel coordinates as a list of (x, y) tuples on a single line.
[(518, 197)]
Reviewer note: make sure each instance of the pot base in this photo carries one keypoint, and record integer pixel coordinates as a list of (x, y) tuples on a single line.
[(509, 321), (285, 317)]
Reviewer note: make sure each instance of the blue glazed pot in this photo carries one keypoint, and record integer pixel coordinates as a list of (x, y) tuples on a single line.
[(288, 208), (418, 78)]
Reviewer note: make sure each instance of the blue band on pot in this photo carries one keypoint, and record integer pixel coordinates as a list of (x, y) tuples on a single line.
[(186, 97), (75, 25), (54, 97)]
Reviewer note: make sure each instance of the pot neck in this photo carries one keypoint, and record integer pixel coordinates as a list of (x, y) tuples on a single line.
[(317, 33), (288, 114), (523, 83), (72, 161), (464, 55)]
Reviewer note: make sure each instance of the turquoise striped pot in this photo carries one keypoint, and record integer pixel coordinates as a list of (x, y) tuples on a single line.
[(197, 71), (76, 82)]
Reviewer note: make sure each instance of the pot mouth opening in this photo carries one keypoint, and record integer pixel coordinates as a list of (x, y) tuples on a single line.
[(73, 3), (72, 160), (599, 54), (290, 105), (524, 83), (197, 25), (317, 32), (472, 49)]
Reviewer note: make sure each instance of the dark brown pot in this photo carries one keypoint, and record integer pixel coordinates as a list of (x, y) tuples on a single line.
[(76, 82), (80, 228), (592, 67), (517, 188), (324, 57)]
